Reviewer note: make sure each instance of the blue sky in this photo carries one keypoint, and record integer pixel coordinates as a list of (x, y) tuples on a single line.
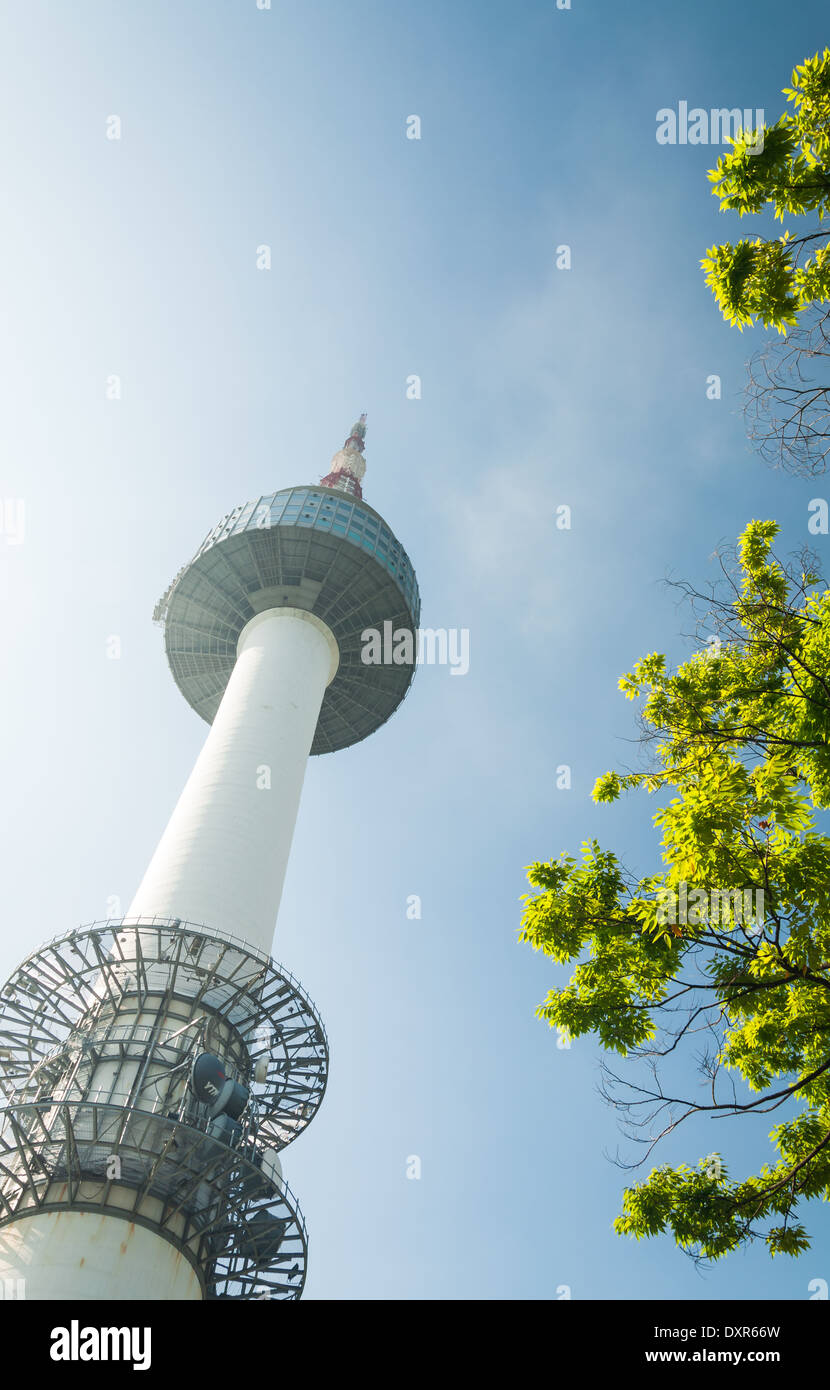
[(540, 387)]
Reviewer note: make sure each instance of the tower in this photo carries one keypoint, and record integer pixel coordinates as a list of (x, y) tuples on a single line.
[(153, 1068)]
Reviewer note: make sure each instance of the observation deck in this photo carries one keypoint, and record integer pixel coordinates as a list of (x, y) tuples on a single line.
[(312, 548)]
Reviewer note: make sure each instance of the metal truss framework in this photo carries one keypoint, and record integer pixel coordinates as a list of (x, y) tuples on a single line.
[(85, 1078)]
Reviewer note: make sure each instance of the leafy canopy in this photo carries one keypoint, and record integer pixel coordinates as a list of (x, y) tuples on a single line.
[(741, 742), (773, 280)]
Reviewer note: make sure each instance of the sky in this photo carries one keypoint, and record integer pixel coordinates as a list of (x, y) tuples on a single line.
[(540, 387)]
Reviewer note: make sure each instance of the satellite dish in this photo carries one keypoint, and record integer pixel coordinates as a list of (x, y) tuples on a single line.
[(207, 1077), (213, 1087), (232, 1100)]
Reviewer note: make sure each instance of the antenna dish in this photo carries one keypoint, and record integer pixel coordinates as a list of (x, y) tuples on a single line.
[(213, 1087)]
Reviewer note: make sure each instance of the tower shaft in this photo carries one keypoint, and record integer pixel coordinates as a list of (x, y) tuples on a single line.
[(223, 855), (83, 1255)]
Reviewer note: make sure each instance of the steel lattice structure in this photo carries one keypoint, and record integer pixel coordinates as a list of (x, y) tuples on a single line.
[(49, 1008), (239, 1227), (242, 1233)]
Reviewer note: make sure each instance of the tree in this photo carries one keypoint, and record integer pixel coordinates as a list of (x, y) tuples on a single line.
[(787, 405), (783, 282), (741, 735)]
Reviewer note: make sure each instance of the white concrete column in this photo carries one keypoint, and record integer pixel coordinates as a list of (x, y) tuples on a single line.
[(222, 859), (73, 1255)]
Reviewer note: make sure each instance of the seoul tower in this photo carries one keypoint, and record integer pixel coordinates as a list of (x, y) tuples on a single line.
[(154, 1067)]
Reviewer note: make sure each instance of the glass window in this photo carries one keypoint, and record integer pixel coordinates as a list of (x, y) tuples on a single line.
[(245, 516)]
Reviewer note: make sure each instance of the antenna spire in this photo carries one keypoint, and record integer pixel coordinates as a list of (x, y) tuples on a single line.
[(348, 465)]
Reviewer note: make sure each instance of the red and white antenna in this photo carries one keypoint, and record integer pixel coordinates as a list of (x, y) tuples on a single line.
[(348, 466)]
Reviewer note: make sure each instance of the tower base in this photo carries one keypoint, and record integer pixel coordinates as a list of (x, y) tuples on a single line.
[(82, 1255)]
